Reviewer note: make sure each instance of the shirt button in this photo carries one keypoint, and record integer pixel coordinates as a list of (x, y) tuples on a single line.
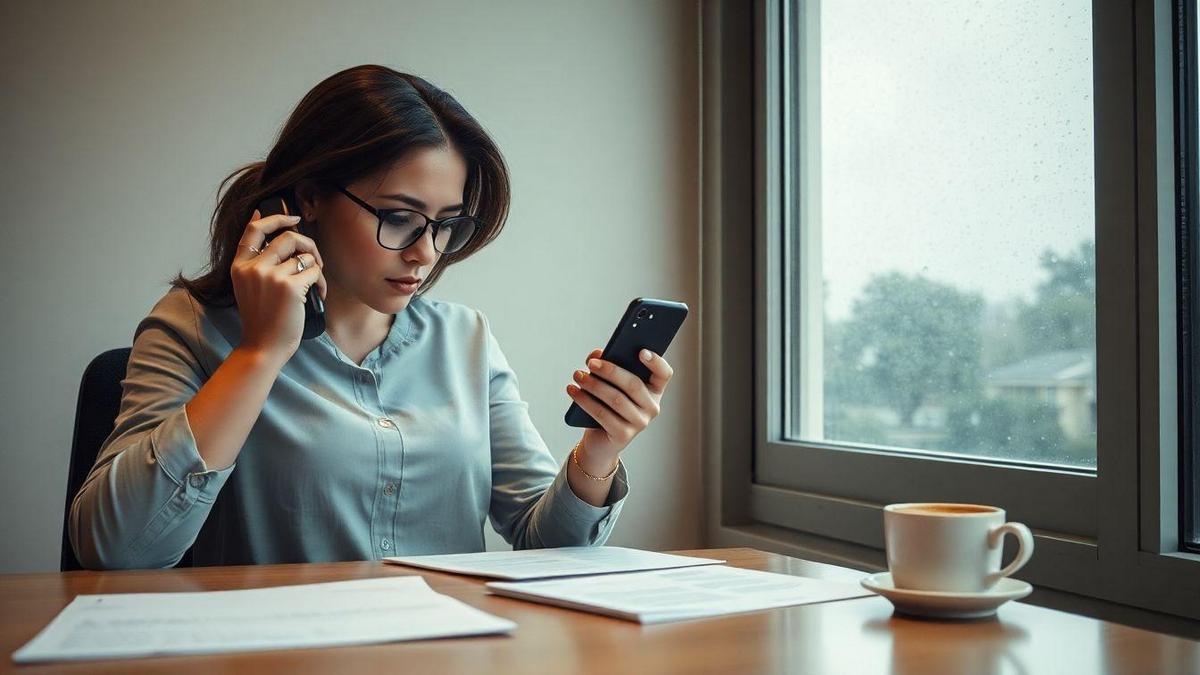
[(386, 544), (389, 489), (386, 423), (197, 481)]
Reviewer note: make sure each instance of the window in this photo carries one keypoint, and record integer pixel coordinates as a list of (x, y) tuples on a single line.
[(940, 200), (929, 263), (960, 284)]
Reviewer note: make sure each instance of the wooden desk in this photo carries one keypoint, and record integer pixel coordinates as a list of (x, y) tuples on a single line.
[(854, 636)]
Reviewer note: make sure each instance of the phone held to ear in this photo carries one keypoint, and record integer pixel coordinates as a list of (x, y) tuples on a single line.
[(647, 324), (314, 306)]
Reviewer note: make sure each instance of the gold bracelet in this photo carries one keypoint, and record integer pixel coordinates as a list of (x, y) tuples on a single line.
[(575, 458)]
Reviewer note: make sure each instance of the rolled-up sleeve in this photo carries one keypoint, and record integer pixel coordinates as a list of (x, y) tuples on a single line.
[(533, 505), (149, 492)]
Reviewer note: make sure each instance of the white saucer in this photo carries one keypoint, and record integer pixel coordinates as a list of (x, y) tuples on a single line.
[(943, 605)]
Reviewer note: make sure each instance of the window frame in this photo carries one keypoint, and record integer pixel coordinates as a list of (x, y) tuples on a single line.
[(1113, 535), (1187, 209)]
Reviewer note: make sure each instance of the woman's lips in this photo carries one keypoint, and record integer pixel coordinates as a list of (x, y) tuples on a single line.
[(405, 284)]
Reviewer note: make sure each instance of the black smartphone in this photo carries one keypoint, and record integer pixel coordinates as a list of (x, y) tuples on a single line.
[(314, 306), (647, 324)]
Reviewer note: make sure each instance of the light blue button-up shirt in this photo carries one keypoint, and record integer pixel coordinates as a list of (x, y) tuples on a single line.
[(409, 453)]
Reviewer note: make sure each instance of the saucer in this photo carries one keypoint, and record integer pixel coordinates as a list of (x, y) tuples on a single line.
[(947, 605)]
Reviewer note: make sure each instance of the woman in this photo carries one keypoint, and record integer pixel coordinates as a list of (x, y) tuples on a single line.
[(398, 431)]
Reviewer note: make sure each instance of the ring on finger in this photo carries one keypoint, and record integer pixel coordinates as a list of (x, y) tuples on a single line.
[(300, 266), (250, 248)]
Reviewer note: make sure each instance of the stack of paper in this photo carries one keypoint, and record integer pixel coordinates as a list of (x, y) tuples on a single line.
[(315, 615), (552, 562), (677, 594), (636, 585)]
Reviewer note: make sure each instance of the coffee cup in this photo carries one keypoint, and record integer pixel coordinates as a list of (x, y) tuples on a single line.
[(950, 547)]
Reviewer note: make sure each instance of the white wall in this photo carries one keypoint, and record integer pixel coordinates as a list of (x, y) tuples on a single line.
[(120, 119)]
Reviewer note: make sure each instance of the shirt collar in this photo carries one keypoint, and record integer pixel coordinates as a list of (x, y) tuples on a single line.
[(405, 328)]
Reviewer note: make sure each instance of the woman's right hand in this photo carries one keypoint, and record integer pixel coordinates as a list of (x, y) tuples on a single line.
[(269, 287)]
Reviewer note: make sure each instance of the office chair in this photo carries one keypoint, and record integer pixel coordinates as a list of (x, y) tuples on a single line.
[(95, 417)]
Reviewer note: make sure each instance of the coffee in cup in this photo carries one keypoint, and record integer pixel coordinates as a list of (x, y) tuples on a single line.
[(950, 547)]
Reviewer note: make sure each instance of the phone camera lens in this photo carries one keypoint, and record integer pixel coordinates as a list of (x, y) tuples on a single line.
[(641, 314)]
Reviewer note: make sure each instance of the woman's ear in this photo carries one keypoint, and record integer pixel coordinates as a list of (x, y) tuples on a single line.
[(308, 199)]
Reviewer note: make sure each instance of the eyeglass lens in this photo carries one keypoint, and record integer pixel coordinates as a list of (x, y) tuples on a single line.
[(400, 229)]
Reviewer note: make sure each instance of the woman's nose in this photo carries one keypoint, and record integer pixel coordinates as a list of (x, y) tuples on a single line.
[(422, 251)]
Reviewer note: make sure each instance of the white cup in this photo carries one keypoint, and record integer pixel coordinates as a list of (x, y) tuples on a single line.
[(950, 547)]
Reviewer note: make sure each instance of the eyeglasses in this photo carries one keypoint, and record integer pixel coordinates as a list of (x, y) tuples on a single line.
[(401, 228)]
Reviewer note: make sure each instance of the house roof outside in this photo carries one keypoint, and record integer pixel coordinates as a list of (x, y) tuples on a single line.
[(1068, 368)]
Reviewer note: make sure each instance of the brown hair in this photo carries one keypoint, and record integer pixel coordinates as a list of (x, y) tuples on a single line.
[(353, 124)]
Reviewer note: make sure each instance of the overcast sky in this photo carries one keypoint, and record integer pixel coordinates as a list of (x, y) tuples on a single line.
[(956, 141)]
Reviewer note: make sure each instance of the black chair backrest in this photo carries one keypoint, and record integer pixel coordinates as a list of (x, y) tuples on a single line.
[(95, 417)]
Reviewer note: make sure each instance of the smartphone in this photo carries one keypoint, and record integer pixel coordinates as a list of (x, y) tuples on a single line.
[(314, 306), (647, 324)]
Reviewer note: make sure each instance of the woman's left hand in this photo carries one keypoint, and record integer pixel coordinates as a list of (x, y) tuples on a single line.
[(620, 401)]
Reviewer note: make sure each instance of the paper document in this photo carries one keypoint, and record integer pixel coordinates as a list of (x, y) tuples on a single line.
[(545, 563), (314, 615), (674, 595)]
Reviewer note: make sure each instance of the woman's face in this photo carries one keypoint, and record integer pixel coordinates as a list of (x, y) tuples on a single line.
[(427, 180)]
